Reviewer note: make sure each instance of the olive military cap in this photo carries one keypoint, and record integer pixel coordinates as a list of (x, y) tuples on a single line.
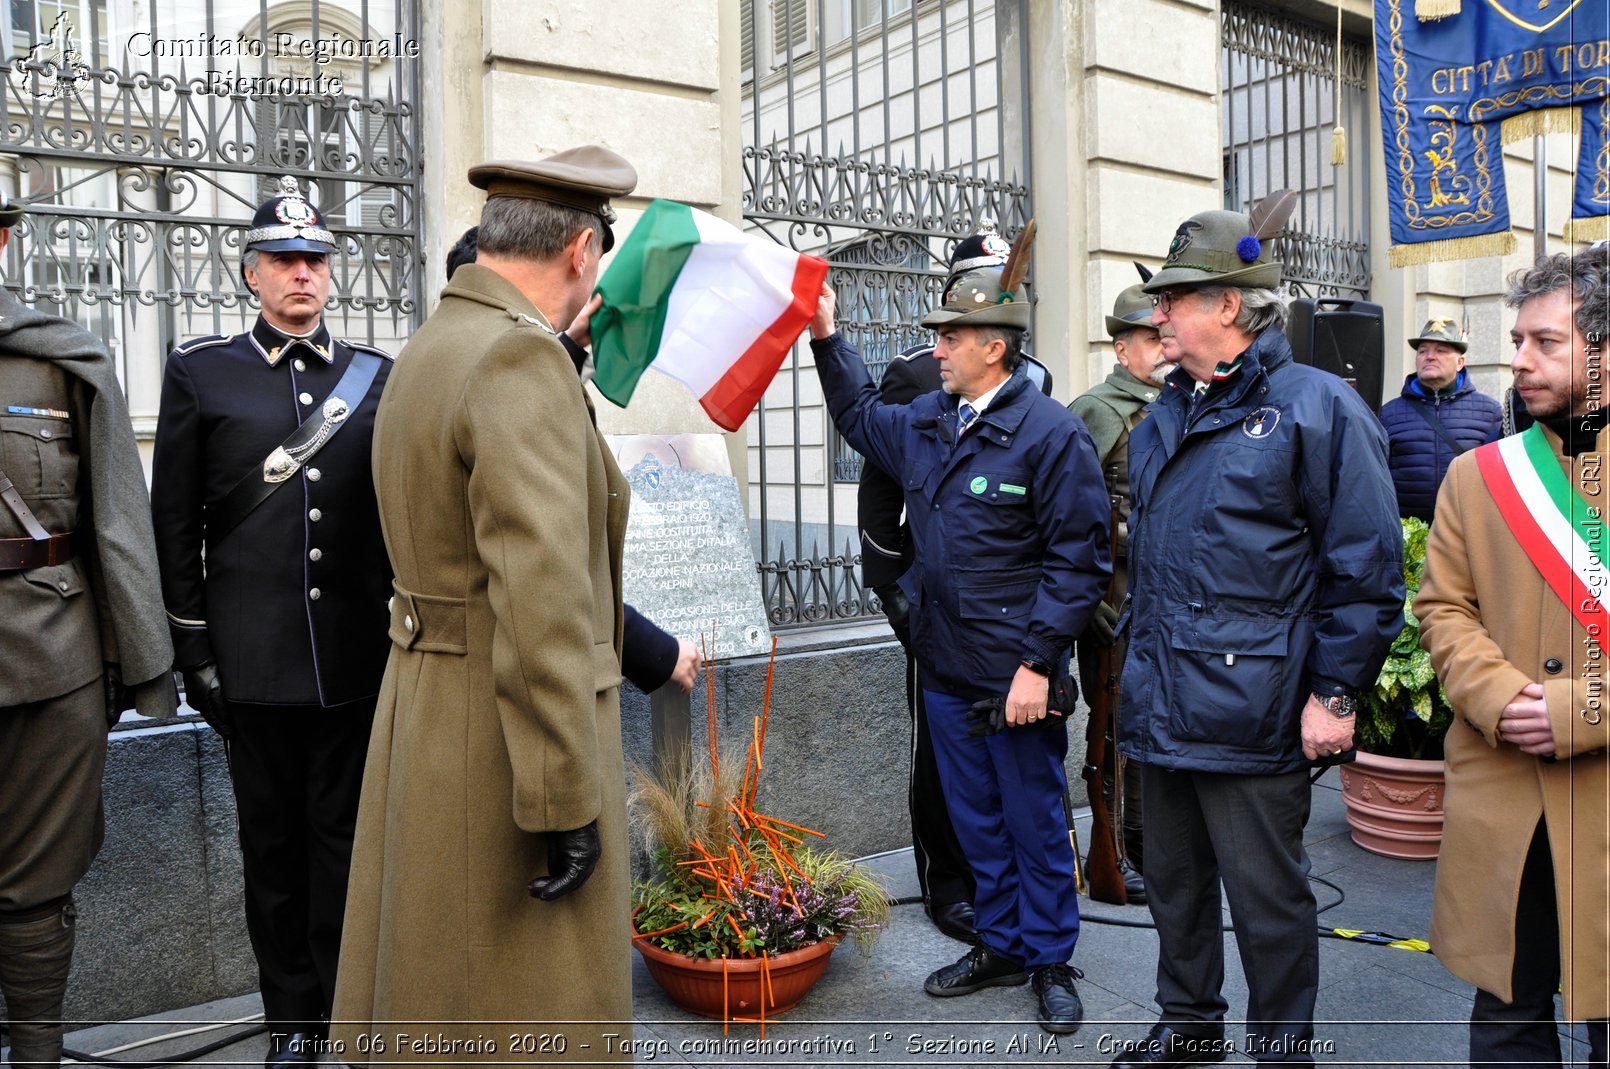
[(1442, 330), (975, 300), (583, 178)]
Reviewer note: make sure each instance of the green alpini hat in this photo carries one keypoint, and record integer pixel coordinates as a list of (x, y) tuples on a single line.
[(1442, 330), (1132, 309), (989, 296), (1221, 248)]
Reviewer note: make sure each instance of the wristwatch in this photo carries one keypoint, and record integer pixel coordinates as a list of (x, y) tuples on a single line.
[(1341, 706), (1037, 666)]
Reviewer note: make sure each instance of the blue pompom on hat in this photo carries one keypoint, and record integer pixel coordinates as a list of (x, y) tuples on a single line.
[(1249, 249)]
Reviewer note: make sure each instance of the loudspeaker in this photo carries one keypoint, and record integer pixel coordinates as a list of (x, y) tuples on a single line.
[(1345, 337)]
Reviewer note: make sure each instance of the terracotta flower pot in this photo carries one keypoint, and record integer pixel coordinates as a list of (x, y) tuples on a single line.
[(696, 984), (1394, 805)]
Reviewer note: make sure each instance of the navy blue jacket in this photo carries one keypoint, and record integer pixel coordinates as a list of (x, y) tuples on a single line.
[(1419, 455), (1009, 528), (1266, 561)]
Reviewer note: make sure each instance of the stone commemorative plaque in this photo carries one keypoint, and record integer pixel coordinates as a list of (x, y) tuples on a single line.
[(688, 564)]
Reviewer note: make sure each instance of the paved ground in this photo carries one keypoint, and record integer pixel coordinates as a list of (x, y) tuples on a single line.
[(1378, 1006)]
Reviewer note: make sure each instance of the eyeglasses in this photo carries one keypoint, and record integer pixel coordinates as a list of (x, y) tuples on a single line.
[(1164, 299)]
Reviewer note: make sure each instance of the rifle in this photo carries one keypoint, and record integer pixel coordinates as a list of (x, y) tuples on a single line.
[(1106, 882)]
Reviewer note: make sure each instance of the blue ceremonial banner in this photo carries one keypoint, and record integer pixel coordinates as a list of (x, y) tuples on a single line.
[(1590, 201), (1455, 89)]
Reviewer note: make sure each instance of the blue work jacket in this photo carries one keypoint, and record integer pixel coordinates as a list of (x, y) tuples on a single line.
[(1009, 527), (1265, 562)]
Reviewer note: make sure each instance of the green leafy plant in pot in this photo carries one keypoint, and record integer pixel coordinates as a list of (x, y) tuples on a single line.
[(1406, 714)]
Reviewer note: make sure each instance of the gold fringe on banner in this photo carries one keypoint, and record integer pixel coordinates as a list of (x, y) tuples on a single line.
[(1547, 121), (1585, 231), (1431, 252), (1426, 10)]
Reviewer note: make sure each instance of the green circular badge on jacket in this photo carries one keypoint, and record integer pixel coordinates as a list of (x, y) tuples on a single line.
[(978, 485)]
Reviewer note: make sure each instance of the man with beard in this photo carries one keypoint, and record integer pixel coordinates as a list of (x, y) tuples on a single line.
[(1511, 610)]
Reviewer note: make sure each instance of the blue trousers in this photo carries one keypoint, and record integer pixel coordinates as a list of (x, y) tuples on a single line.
[(1005, 794)]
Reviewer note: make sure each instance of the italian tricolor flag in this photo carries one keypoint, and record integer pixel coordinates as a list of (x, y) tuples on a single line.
[(701, 301), (1560, 533)]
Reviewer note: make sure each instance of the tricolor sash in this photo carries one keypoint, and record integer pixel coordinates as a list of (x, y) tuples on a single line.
[(1560, 533)]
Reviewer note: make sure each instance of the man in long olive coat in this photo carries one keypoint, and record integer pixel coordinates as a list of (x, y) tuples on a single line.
[(1511, 611), (495, 779)]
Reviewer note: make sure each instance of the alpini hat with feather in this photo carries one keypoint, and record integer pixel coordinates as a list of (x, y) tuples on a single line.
[(1133, 308), (1222, 248), (989, 296)]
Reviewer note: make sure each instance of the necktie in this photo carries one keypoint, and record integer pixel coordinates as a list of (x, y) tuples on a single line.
[(965, 415)]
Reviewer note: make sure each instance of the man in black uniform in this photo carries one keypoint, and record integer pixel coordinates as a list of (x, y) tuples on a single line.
[(82, 633), (263, 468), (943, 873)]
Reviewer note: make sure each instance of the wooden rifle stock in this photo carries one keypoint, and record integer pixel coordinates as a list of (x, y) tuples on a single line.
[(1101, 866)]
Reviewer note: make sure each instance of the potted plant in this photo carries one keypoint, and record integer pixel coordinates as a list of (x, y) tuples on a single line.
[(1394, 791), (740, 911)]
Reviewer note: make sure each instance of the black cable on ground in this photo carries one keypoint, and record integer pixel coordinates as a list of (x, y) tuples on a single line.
[(182, 1056), (1350, 934)]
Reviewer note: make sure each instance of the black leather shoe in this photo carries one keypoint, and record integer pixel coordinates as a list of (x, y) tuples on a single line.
[(1165, 1046), (292, 1048), (1134, 885), (979, 968), (1061, 1011), (955, 919)]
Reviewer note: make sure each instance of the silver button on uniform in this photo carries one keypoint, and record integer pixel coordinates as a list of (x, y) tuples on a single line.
[(408, 624), (315, 515), (313, 595), (314, 475), (315, 554), (299, 365), (305, 398)]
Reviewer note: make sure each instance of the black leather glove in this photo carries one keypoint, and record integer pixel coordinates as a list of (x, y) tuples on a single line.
[(989, 716), (118, 697), (572, 856), (898, 609), (205, 694), (1102, 623)]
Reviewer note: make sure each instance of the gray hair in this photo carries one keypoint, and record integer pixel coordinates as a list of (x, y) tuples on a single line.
[(525, 229), (1586, 275), (249, 258), (1260, 308), (1011, 336)]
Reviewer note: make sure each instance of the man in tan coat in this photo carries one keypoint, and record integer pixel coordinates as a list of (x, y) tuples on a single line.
[(1512, 613), (476, 922)]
